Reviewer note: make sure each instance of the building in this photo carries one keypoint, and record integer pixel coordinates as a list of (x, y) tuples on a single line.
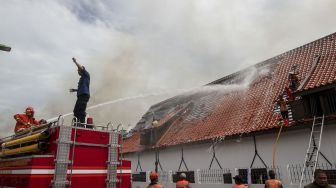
[(231, 125)]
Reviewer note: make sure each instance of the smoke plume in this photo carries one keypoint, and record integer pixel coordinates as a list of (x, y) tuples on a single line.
[(139, 48)]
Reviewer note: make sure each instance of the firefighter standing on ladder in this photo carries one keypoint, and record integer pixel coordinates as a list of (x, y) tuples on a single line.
[(83, 93), (283, 109)]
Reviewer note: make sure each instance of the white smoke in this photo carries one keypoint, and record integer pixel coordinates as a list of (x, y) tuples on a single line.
[(140, 47)]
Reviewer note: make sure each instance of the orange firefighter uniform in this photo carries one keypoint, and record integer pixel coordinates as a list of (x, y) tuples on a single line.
[(273, 183), (24, 121), (157, 185), (182, 184), (239, 186)]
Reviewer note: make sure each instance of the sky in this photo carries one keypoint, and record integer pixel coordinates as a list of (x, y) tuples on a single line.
[(139, 53)]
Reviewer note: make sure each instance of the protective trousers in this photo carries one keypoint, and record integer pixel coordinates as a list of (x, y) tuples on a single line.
[(80, 107)]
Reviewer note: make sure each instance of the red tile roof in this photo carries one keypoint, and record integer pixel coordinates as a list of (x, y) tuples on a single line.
[(325, 71), (132, 143), (240, 112)]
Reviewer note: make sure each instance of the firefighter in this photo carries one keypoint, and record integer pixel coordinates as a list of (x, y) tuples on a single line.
[(154, 181), (289, 93), (272, 182), (239, 183), (182, 183), (83, 92), (27, 120), (283, 109), (293, 81)]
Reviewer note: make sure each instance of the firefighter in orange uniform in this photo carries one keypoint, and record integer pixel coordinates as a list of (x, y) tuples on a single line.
[(27, 120), (182, 183), (272, 182), (283, 104), (154, 181)]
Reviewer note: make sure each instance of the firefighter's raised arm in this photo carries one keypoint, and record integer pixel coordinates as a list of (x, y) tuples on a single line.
[(80, 67)]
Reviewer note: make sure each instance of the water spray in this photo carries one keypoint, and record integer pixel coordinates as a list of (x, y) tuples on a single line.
[(121, 100), (251, 75)]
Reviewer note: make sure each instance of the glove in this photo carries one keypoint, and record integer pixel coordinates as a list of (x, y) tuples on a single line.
[(72, 90), (43, 121)]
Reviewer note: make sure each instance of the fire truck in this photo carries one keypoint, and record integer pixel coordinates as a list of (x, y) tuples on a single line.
[(59, 155)]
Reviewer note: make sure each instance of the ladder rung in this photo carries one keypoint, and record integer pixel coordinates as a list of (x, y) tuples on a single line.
[(310, 163), (60, 182), (312, 151)]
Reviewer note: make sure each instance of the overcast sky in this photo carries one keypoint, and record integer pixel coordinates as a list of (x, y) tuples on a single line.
[(139, 48)]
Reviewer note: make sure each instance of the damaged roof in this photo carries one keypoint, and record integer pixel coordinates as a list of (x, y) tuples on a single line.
[(237, 104)]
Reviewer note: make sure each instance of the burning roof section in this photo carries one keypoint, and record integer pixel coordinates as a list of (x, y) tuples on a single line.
[(242, 102)]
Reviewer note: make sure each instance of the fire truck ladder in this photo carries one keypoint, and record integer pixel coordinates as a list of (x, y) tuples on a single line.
[(313, 151), (62, 157), (112, 163)]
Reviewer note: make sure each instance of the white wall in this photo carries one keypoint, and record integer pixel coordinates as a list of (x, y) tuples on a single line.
[(292, 147)]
